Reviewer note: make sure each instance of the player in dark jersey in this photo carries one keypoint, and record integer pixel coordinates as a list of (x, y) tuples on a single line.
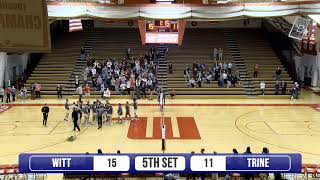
[(128, 110), (120, 114)]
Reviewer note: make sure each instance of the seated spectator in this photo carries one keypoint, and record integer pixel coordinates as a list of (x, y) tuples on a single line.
[(192, 82)]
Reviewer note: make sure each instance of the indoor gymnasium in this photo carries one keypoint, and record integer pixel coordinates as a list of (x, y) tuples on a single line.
[(171, 79)]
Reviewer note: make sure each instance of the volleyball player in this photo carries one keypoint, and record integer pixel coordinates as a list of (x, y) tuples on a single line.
[(120, 113), (95, 112), (109, 114), (128, 110), (86, 114)]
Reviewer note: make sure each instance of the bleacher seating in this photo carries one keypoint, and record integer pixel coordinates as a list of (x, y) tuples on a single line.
[(198, 45), (56, 67), (112, 43), (255, 49)]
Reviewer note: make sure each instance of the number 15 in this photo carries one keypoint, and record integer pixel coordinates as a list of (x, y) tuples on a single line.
[(112, 162)]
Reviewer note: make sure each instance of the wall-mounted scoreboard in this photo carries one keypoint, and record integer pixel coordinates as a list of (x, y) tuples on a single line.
[(162, 26)]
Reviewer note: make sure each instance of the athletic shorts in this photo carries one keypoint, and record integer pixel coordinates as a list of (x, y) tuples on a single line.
[(135, 111), (87, 94)]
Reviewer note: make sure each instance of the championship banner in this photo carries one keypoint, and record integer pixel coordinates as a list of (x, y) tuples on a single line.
[(24, 26)]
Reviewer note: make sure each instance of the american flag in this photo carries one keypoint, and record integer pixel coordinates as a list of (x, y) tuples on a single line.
[(75, 25)]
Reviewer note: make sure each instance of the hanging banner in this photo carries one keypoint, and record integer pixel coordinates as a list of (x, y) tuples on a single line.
[(24, 26)]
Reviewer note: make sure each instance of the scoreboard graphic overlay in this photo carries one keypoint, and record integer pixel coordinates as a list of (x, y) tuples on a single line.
[(152, 163)]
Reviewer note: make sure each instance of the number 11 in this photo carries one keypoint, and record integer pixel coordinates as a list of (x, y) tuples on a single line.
[(209, 162)]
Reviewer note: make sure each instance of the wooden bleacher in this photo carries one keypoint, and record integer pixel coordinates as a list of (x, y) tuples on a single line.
[(198, 45), (255, 49), (56, 67)]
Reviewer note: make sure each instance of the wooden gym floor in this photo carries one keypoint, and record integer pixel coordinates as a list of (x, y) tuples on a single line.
[(282, 125)]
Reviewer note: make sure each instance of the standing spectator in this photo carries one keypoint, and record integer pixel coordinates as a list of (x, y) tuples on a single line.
[(82, 55), (1, 93), (283, 87), (76, 81), (59, 91), (215, 54), (32, 90), (199, 80), (122, 88), (23, 94), (170, 68), (229, 67), (186, 73), (45, 113), (8, 93), (220, 54), (128, 53), (128, 86), (13, 93), (278, 73), (37, 90), (262, 87), (120, 113), (80, 92), (75, 118), (295, 91), (256, 71), (224, 76), (276, 87), (85, 77)]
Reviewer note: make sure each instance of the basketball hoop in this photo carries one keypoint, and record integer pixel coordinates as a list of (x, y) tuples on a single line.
[(299, 28)]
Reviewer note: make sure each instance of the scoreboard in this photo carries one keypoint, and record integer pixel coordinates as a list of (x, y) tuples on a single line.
[(162, 26), (152, 163), (162, 31)]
